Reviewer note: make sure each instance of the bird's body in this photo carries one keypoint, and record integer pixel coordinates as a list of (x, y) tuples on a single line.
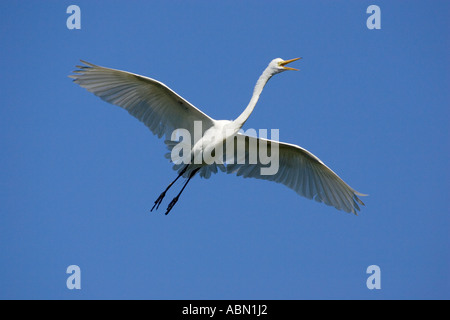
[(214, 137), (167, 114)]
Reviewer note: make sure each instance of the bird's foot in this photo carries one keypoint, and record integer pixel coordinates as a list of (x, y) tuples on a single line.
[(158, 201), (171, 204)]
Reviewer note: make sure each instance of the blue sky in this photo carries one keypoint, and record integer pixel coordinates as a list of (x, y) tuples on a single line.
[(78, 176)]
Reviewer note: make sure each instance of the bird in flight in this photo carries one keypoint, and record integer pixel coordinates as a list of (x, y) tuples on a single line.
[(165, 112)]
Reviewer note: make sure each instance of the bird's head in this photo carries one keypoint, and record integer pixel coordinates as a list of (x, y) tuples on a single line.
[(279, 65)]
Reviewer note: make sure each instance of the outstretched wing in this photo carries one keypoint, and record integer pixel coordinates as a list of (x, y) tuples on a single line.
[(299, 170), (150, 101)]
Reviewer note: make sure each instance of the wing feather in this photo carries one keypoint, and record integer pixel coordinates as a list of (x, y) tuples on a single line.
[(301, 171), (150, 101)]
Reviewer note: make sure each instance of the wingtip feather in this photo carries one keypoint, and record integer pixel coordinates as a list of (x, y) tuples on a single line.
[(88, 63)]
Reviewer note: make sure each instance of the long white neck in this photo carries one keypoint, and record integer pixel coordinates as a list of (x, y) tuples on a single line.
[(265, 76)]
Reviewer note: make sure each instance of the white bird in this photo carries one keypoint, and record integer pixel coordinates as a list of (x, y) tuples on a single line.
[(163, 111)]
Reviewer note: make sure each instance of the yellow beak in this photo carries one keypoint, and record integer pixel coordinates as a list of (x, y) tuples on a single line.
[(284, 63)]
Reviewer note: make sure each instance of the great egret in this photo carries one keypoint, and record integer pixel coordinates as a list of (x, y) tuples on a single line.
[(163, 111)]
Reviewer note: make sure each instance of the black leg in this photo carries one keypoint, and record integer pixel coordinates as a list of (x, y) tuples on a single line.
[(174, 200), (163, 194)]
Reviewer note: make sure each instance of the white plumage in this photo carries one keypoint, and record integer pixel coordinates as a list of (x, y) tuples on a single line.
[(163, 111)]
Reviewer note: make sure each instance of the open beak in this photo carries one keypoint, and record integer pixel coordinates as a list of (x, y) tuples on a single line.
[(284, 63)]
